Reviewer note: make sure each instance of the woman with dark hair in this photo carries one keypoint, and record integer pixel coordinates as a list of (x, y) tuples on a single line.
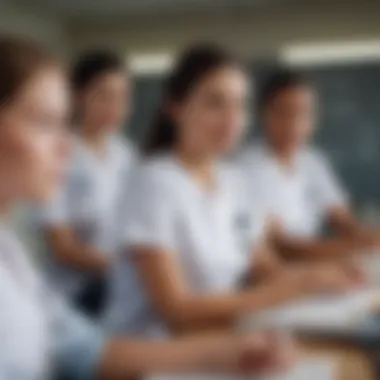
[(184, 232), (39, 334), (80, 223), (295, 182)]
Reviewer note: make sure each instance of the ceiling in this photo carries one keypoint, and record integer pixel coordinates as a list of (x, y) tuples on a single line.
[(97, 7)]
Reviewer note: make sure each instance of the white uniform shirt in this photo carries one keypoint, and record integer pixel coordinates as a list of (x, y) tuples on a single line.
[(89, 203), (205, 230), (39, 334), (299, 198)]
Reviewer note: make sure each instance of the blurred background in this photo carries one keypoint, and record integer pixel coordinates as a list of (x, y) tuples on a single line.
[(336, 41)]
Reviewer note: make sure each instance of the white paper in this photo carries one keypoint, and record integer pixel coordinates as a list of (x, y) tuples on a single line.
[(309, 369), (319, 313)]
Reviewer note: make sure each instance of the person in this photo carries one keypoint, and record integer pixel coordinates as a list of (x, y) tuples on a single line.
[(80, 223), (40, 334), (182, 256), (294, 184)]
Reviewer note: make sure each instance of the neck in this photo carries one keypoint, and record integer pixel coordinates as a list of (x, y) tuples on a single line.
[(97, 141), (285, 155), (200, 165)]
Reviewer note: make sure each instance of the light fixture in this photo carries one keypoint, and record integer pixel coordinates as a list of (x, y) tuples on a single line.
[(330, 52), (150, 63)]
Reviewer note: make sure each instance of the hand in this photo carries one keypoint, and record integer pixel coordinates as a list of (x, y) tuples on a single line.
[(331, 277), (275, 229), (260, 353), (354, 271), (370, 240)]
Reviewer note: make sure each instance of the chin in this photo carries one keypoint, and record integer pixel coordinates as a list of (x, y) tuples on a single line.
[(43, 196), (224, 149)]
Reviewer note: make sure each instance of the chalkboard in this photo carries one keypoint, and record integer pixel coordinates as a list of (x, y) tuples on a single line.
[(349, 125), (147, 97)]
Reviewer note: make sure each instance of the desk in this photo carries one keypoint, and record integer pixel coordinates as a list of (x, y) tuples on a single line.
[(352, 363)]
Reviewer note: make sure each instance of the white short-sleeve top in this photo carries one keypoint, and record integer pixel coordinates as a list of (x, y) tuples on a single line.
[(300, 197), (208, 231), (89, 203)]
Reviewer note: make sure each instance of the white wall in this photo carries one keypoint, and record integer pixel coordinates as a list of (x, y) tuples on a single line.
[(260, 31), (45, 27)]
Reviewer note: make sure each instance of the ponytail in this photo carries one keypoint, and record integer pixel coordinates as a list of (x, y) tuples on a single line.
[(162, 135)]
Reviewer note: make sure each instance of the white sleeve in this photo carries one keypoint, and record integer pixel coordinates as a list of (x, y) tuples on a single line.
[(329, 191), (150, 214), (59, 210)]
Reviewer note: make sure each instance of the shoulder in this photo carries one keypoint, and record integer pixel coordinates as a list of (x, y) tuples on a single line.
[(252, 157), (255, 165), (123, 148), (154, 173), (314, 158), (78, 169)]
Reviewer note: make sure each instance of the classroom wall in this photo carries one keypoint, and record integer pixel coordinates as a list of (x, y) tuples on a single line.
[(259, 31), (26, 20)]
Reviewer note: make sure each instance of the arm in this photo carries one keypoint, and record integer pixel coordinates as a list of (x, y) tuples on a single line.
[(184, 311), (345, 224), (71, 252), (352, 238), (82, 352), (316, 249), (331, 201), (266, 263), (217, 353)]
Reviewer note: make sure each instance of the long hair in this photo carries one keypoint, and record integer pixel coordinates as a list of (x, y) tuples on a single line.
[(194, 65)]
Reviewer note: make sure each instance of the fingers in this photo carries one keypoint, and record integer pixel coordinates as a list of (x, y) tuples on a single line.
[(284, 351), (271, 352)]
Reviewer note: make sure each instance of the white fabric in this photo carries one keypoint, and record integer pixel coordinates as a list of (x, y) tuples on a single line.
[(39, 334), (89, 203), (24, 328), (169, 210), (299, 198)]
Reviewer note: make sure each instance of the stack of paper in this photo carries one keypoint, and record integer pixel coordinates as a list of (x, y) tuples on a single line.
[(311, 369), (328, 313)]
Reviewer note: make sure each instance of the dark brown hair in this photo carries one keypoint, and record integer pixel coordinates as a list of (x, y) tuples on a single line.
[(19, 60), (278, 82), (93, 64), (193, 66)]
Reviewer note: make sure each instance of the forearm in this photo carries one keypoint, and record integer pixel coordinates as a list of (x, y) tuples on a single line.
[(84, 258), (330, 248), (196, 313), (265, 264), (129, 358), (71, 252), (345, 224)]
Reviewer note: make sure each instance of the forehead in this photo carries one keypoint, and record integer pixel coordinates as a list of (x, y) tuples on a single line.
[(230, 79), (114, 78), (46, 88), (297, 93)]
